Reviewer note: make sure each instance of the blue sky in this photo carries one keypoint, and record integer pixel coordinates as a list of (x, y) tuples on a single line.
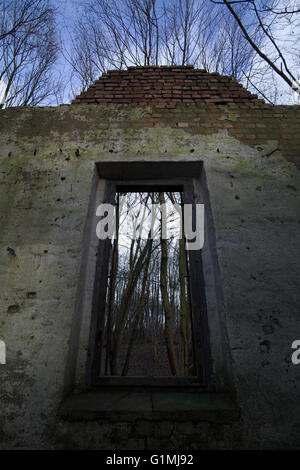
[(67, 10)]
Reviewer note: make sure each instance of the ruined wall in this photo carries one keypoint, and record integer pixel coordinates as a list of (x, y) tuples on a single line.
[(47, 162)]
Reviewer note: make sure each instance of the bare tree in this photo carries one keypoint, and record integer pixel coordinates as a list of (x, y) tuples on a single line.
[(139, 310), (169, 316), (185, 23), (112, 34), (147, 319), (117, 34), (28, 51), (278, 23)]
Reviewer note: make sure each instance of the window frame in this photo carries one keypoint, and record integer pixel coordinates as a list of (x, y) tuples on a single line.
[(164, 175)]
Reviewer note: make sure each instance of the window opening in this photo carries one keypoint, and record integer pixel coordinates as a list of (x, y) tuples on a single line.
[(148, 327)]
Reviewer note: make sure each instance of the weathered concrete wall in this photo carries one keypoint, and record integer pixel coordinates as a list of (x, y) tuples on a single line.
[(47, 163)]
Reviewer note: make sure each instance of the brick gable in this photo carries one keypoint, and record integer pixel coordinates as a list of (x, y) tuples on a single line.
[(176, 84)]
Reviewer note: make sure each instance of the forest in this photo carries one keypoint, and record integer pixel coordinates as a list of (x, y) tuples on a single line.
[(148, 325)]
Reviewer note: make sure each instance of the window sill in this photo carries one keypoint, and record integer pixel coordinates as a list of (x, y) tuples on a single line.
[(129, 405)]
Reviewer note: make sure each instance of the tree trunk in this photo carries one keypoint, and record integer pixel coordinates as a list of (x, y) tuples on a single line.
[(138, 311), (166, 301), (183, 309), (111, 300), (125, 305)]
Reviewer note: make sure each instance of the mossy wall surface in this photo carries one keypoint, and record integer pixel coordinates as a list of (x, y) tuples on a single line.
[(47, 160)]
